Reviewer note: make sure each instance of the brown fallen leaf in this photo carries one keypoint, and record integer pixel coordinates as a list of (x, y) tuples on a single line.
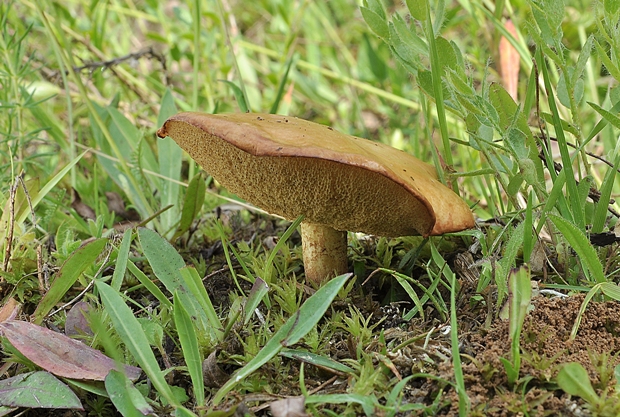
[(10, 310), (59, 354), (117, 206), (213, 375), (84, 210), (289, 407), (509, 60)]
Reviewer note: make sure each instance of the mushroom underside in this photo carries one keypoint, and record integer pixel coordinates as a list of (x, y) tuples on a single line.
[(326, 192)]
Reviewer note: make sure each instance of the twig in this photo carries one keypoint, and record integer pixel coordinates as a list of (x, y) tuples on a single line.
[(149, 53)]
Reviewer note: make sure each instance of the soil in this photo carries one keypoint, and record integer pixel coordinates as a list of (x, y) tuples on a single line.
[(545, 346)]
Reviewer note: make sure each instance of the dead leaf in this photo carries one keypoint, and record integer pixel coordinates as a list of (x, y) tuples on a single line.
[(509, 62), (289, 407), (76, 323), (117, 206), (10, 310), (85, 211), (213, 375), (59, 354)]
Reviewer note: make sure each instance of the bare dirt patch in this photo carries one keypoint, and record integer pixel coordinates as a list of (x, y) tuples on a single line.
[(545, 346)]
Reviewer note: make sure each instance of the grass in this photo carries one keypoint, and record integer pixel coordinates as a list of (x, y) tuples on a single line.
[(183, 271)]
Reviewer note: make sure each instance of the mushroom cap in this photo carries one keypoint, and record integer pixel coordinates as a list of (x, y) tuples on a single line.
[(289, 166)]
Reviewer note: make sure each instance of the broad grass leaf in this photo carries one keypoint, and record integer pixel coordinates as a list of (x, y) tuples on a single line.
[(197, 303), (579, 242), (125, 396), (37, 390), (77, 263), (163, 258), (316, 360), (190, 349), (59, 354), (290, 333), (132, 335), (167, 265), (574, 380), (611, 290)]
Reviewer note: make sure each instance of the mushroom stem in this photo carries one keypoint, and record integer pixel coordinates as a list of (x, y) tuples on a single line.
[(324, 251)]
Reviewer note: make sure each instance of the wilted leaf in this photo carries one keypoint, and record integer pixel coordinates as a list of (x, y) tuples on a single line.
[(288, 407), (10, 309), (37, 390), (117, 206), (76, 323), (84, 210), (59, 354), (214, 377)]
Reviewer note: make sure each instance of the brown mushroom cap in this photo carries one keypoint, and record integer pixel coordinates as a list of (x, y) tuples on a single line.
[(289, 166)]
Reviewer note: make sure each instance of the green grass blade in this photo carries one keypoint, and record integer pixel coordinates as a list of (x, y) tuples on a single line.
[(459, 379), (148, 284), (170, 158), (316, 360), (294, 329), (192, 204), (579, 242), (577, 212), (77, 263), (121, 260), (125, 396), (258, 291), (281, 242), (197, 302), (36, 198), (163, 258), (280, 93), (131, 333), (190, 348)]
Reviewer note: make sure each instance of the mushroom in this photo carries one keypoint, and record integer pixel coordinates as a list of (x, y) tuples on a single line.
[(339, 183)]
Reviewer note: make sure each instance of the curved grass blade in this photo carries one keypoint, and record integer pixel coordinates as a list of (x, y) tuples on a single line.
[(77, 263), (131, 333), (190, 348), (580, 243), (294, 329)]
